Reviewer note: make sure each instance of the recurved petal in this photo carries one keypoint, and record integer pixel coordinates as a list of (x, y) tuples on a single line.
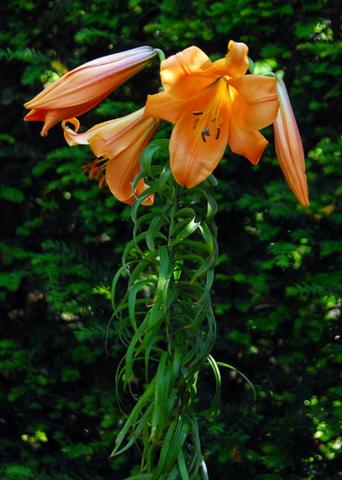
[(255, 101), (289, 147), (249, 144), (235, 63), (195, 149), (108, 139), (186, 73)]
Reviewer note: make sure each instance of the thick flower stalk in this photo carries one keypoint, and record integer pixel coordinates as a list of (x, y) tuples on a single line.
[(118, 144), (81, 89), (289, 147)]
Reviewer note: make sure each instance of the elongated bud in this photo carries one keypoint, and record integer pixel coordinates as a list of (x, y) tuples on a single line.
[(289, 147), (86, 86)]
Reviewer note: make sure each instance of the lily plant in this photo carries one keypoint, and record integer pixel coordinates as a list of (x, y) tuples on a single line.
[(165, 317)]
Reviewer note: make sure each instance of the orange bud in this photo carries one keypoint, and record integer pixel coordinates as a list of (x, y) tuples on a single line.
[(289, 147), (86, 86)]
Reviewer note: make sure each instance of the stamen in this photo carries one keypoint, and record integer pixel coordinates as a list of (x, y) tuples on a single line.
[(102, 181), (218, 133), (96, 169), (197, 113), (195, 123), (93, 172)]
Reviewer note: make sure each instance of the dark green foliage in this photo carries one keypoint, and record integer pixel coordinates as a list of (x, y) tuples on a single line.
[(164, 317), (278, 281)]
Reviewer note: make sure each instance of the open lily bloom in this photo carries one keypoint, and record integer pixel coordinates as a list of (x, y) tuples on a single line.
[(81, 89), (119, 143), (212, 104), (289, 147)]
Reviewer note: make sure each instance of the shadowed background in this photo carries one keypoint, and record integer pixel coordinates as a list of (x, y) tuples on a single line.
[(276, 295)]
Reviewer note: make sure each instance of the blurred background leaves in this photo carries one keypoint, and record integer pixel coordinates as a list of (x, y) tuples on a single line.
[(278, 282)]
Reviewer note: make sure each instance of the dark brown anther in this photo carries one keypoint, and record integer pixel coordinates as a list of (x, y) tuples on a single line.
[(218, 134), (205, 133), (197, 113)]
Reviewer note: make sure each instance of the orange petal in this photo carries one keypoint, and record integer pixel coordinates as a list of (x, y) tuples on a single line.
[(237, 58), (235, 63), (113, 139), (185, 74), (164, 106), (255, 101), (289, 147), (249, 144), (198, 142), (108, 139), (121, 171)]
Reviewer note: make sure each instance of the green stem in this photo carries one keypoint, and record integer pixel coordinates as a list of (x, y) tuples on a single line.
[(166, 316), (173, 201)]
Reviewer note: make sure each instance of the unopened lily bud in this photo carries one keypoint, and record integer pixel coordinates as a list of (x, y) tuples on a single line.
[(289, 147), (86, 86)]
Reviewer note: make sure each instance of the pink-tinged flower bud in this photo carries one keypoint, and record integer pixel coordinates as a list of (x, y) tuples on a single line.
[(86, 86), (119, 143), (289, 147)]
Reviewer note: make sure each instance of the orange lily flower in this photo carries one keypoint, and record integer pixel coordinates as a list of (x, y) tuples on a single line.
[(289, 147), (85, 87), (212, 104), (119, 143)]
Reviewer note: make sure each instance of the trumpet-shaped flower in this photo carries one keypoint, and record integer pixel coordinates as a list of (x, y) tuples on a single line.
[(119, 143), (81, 89), (212, 104), (289, 147)]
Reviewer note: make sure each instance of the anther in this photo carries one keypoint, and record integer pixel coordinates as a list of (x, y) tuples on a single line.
[(197, 113), (218, 133), (205, 133)]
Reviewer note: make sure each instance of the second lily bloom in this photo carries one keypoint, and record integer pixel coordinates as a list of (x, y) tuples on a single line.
[(118, 144)]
